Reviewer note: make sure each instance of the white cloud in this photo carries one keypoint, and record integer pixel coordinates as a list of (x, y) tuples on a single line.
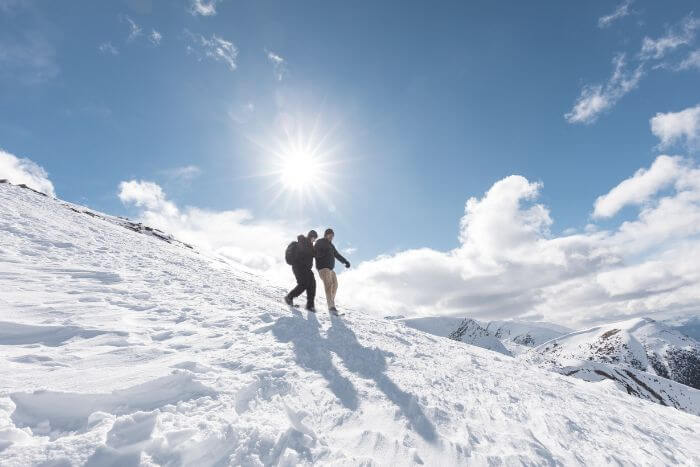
[(508, 264), (203, 7), (691, 61), (155, 37), (621, 11), (595, 99), (647, 277), (501, 210), (146, 194), (640, 187), (108, 48), (235, 234), (675, 127), (678, 36), (185, 173), (134, 29), (215, 48), (25, 171), (279, 65)]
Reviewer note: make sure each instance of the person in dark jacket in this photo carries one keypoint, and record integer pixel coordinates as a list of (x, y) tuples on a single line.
[(301, 267), (326, 254)]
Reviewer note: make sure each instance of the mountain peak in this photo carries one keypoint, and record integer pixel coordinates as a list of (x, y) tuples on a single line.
[(642, 347)]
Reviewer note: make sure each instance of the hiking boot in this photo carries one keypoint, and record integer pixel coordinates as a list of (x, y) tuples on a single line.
[(288, 300), (311, 308), (334, 311)]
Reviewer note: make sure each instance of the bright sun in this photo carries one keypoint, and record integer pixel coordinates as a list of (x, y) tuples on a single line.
[(299, 171), (302, 165)]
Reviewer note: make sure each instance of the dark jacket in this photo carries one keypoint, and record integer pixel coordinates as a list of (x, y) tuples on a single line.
[(326, 254), (305, 254)]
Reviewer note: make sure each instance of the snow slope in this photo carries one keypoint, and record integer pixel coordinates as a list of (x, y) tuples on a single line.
[(644, 357), (119, 348), (469, 331)]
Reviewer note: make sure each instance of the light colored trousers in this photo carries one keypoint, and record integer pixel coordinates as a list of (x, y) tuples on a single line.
[(330, 283)]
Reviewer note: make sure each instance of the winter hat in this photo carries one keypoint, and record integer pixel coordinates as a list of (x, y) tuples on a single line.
[(312, 234), (329, 231)]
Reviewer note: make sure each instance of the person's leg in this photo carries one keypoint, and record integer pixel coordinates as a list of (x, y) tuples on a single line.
[(327, 285), (310, 289), (301, 284), (334, 288)]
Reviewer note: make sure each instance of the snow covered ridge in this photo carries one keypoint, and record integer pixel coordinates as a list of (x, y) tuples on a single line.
[(464, 330), (529, 334), (643, 344), (123, 222), (630, 380), (24, 186), (506, 337), (644, 357), (118, 348)]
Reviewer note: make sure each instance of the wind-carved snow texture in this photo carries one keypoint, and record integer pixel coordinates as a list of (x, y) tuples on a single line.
[(65, 412), (119, 348)]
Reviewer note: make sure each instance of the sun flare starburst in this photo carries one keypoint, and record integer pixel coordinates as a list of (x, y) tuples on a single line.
[(299, 170), (302, 165)]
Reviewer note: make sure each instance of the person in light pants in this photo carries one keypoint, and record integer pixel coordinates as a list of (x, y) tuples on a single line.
[(326, 254)]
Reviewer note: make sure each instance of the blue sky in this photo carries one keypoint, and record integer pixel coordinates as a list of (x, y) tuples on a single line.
[(423, 105)]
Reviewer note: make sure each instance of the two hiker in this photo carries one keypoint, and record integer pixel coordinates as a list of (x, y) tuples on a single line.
[(300, 255)]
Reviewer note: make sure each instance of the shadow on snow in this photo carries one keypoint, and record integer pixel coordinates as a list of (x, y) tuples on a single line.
[(313, 352)]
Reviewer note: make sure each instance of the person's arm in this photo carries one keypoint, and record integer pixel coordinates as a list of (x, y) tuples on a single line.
[(340, 258)]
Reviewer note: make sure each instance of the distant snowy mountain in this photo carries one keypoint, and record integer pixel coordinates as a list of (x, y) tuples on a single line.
[(688, 325), (642, 343), (123, 347), (464, 330), (520, 336), (644, 357), (506, 337)]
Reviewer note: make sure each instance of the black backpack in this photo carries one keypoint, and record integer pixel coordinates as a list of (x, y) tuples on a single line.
[(290, 255)]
